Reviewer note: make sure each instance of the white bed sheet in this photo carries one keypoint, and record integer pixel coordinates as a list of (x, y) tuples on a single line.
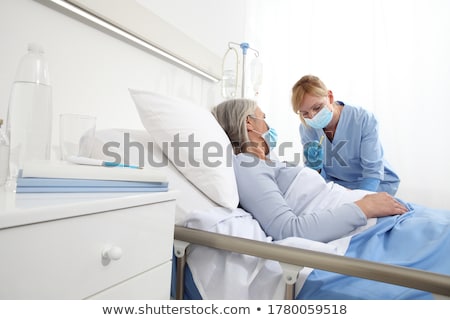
[(238, 276)]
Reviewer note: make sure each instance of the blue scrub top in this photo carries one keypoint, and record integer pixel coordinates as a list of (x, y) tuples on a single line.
[(355, 156)]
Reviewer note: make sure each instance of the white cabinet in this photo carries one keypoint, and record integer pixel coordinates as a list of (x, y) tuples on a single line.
[(86, 246)]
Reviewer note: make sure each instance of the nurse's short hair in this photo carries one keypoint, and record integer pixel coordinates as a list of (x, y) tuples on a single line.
[(232, 116)]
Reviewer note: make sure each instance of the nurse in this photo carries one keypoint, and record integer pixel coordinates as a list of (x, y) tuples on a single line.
[(339, 140)]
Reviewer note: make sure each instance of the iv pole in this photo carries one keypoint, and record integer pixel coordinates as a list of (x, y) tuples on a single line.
[(244, 47)]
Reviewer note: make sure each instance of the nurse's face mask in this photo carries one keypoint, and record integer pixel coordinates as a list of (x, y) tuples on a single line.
[(315, 110), (321, 119)]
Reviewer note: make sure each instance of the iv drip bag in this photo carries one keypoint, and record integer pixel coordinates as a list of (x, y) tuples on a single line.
[(230, 65)]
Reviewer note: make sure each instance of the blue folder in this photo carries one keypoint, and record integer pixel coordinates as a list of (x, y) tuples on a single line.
[(20, 189), (39, 185), (60, 182)]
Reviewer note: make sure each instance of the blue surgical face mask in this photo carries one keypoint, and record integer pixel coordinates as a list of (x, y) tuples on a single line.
[(270, 136), (321, 119)]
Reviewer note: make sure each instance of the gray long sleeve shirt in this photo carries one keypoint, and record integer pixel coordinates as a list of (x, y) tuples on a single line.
[(294, 201)]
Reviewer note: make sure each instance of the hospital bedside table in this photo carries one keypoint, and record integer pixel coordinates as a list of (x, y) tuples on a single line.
[(86, 245)]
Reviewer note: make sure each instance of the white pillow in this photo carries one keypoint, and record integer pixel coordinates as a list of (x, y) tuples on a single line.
[(193, 141)]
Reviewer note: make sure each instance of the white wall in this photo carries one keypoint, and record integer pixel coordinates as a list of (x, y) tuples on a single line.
[(92, 71), (210, 22)]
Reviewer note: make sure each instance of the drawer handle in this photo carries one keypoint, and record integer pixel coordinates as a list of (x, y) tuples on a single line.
[(112, 253)]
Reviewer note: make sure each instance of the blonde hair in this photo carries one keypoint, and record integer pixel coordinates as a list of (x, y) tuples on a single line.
[(232, 116), (308, 84)]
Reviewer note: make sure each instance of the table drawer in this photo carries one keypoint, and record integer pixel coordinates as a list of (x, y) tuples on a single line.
[(151, 285), (62, 259)]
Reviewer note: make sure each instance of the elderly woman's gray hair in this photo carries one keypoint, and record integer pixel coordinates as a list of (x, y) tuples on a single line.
[(232, 116)]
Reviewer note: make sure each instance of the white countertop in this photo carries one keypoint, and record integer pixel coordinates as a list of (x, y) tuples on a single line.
[(25, 208)]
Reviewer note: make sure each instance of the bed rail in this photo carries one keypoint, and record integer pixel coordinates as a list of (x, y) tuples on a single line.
[(437, 284)]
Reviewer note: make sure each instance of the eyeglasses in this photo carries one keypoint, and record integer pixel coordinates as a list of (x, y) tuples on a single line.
[(314, 110)]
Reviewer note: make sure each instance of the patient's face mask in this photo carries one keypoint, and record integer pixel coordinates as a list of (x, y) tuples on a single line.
[(321, 119), (270, 136)]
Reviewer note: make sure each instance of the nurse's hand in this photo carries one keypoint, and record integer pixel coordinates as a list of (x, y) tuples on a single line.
[(380, 204), (313, 155)]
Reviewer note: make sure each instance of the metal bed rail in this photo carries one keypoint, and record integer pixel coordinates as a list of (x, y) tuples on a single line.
[(435, 283)]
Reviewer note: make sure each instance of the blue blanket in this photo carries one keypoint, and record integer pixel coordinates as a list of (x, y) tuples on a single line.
[(418, 239)]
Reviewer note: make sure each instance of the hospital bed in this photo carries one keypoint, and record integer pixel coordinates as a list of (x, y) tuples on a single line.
[(220, 251)]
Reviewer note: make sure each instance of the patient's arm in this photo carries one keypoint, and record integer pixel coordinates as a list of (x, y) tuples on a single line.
[(380, 204), (259, 194)]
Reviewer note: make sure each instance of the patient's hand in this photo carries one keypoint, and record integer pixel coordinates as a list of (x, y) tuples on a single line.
[(380, 204)]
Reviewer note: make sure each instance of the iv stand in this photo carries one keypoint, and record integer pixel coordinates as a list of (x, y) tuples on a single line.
[(245, 47)]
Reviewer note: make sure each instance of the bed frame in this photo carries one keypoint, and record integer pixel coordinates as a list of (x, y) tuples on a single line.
[(292, 260)]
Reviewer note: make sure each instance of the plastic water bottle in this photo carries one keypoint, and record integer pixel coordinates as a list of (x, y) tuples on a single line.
[(29, 126), (4, 154)]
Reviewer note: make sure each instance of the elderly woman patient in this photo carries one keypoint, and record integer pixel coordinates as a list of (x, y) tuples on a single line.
[(295, 201)]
